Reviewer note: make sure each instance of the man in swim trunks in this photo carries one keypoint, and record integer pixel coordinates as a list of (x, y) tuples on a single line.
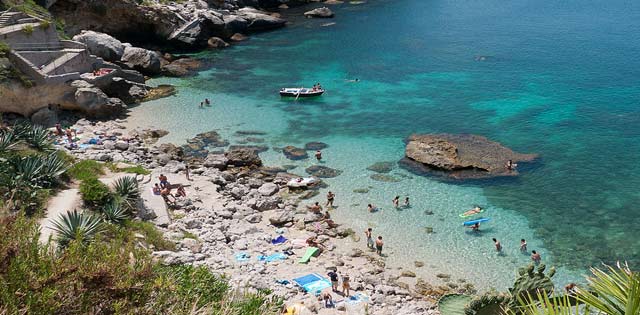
[(367, 233), (318, 155), (498, 245), (164, 181), (379, 244), (523, 245), (371, 208), (334, 280), (535, 257), (330, 197), (396, 201), (315, 208)]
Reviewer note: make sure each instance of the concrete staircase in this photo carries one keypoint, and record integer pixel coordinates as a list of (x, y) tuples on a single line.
[(7, 18)]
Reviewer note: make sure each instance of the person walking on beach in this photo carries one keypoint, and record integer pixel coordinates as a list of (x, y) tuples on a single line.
[(406, 202), (367, 233), (535, 257), (346, 286), (186, 171), (379, 244), (334, 280), (396, 201), (498, 245), (330, 197), (523, 245), (318, 155)]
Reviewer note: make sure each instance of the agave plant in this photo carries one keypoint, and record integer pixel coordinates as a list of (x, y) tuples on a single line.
[(38, 171), (76, 226), (114, 213), (8, 141), (126, 188), (37, 137)]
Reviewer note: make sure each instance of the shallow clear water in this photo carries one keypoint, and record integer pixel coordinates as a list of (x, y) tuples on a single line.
[(558, 79)]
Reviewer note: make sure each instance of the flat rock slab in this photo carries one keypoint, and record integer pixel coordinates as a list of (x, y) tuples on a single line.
[(460, 156), (382, 167), (322, 171), (293, 153), (313, 146)]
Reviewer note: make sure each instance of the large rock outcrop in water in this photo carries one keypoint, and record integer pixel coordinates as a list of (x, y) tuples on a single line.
[(460, 156)]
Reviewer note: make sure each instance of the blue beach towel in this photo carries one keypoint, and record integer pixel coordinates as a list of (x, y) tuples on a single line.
[(272, 257), (278, 240), (242, 256), (313, 283)]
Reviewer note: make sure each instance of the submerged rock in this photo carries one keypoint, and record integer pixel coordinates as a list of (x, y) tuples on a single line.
[(460, 156), (182, 67), (243, 157), (313, 146), (250, 133), (385, 178), (382, 167), (257, 148), (293, 153), (323, 171)]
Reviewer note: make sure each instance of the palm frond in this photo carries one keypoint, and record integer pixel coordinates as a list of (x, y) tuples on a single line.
[(613, 290), (76, 226), (543, 304)]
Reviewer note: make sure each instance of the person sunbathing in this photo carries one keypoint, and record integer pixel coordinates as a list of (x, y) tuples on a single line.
[(473, 211)]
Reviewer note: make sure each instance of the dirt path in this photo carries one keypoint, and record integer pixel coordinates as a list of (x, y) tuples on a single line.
[(64, 201)]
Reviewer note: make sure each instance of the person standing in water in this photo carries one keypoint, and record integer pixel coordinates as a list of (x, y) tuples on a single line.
[(498, 245), (523, 245), (396, 201), (406, 202), (367, 233), (379, 245), (535, 257), (318, 155), (330, 197), (207, 102)]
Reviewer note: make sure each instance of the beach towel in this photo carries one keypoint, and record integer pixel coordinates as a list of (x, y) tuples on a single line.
[(313, 283), (307, 255), (272, 257), (278, 240), (242, 256), (357, 298)]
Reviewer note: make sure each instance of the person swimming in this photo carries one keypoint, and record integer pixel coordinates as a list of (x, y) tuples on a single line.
[(473, 211), (372, 208)]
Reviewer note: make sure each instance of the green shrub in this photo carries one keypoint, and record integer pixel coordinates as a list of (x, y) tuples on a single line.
[(111, 275), (95, 194), (86, 169), (44, 24), (27, 29), (4, 49), (151, 234)]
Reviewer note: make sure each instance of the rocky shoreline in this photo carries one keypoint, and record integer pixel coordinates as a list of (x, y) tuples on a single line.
[(235, 205)]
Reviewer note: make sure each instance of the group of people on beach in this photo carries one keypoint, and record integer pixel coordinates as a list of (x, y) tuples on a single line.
[(163, 188), (334, 276)]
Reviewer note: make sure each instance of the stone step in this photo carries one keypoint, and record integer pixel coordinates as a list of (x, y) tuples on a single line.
[(58, 62)]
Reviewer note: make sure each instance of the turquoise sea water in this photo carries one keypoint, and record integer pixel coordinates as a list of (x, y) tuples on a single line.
[(561, 79)]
